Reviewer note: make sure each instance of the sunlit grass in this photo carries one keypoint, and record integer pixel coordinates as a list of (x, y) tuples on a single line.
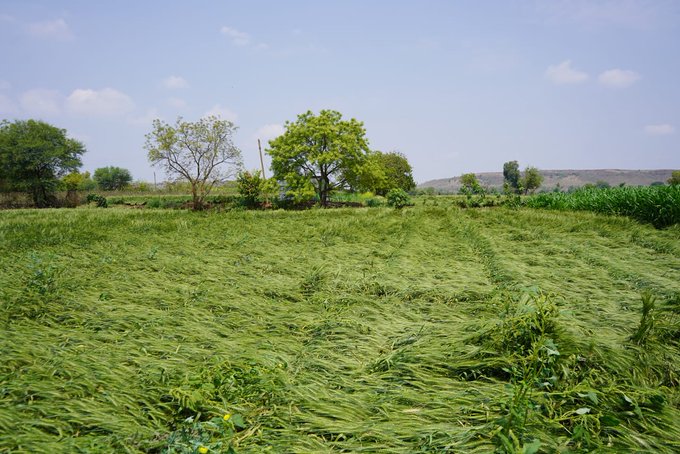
[(368, 329)]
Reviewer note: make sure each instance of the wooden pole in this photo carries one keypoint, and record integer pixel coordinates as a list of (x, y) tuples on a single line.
[(259, 147)]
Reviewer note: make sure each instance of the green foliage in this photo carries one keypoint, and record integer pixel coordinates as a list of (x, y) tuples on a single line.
[(316, 153), (73, 181), (658, 205), (470, 185), (99, 200), (382, 172), (201, 153), (531, 180), (250, 187), (398, 198), (34, 156), (112, 178), (675, 178), (214, 435), (255, 190), (511, 175)]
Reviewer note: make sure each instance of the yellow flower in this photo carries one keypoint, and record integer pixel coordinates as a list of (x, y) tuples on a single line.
[(203, 450), (227, 416)]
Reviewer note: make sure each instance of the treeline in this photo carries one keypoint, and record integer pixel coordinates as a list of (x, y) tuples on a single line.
[(39, 159)]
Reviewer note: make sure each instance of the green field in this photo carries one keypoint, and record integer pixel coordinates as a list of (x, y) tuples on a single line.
[(428, 329)]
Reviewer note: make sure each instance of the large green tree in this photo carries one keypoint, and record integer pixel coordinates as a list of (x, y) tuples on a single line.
[(34, 155), (317, 152), (202, 153), (382, 172), (511, 176), (112, 178), (531, 180)]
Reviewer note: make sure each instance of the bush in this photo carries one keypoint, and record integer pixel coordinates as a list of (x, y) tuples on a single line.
[(398, 198), (250, 185), (255, 190), (99, 200), (112, 178)]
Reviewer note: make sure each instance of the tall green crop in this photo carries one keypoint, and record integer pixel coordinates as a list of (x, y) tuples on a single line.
[(657, 205)]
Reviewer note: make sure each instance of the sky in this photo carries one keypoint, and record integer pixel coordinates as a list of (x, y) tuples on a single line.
[(456, 86)]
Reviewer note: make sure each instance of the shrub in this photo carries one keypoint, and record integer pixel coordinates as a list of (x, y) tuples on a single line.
[(99, 200), (250, 185), (398, 198)]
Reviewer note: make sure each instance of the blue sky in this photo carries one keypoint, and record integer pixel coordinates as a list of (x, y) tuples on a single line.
[(457, 86)]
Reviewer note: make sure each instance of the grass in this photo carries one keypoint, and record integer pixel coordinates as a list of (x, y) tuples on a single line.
[(349, 330)]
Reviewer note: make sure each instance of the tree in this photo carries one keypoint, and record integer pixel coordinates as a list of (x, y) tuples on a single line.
[(470, 184), (675, 178), (112, 178), (381, 172), (316, 153), (34, 155), (202, 153), (532, 179), (253, 189), (511, 175), (398, 172)]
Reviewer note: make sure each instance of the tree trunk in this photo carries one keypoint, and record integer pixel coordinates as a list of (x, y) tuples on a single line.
[(196, 202)]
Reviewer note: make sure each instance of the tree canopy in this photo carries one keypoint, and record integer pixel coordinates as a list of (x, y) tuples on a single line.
[(511, 175), (531, 180), (317, 152), (675, 178), (470, 184), (382, 172), (112, 178), (34, 155), (202, 153)]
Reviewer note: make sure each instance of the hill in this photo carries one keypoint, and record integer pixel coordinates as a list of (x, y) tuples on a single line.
[(565, 178)]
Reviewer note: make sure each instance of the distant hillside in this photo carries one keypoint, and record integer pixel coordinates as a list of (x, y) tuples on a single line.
[(565, 178)]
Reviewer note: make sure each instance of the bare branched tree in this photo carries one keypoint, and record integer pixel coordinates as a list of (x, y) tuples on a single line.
[(202, 153)]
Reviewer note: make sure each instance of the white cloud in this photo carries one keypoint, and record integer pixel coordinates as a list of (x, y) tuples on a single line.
[(174, 82), (618, 78), (146, 119), (54, 29), (660, 129), (41, 102), (177, 103), (7, 106), (99, 102), (237, 37), (268, 132), (564, 74), (219, 111)]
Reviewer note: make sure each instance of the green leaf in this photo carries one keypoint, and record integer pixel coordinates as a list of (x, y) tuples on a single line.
[(609, 420), (531, 448), (238, 421), (583, 411)]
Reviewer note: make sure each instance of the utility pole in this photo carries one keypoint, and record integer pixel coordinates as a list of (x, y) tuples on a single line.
[(259, 147)]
